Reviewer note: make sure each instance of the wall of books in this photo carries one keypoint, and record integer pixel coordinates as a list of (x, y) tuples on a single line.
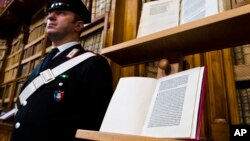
[(2, 56), (97, 7), (93, 35), (3, 48), (27, 50), (242, 76)]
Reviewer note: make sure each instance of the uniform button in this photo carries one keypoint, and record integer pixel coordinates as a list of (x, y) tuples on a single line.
[(60, 84), (24, 103), (17, 125)]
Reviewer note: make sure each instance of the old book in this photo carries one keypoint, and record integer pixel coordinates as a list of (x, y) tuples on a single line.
[(239, 3), (169, 107), (240, 105), (238, 56), (245, 105), (164, 14), (246, 53)]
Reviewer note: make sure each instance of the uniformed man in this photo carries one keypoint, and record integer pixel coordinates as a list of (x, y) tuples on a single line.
[(77, 98)]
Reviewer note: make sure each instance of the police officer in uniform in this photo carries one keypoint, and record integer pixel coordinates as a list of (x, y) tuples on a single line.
[(75, 99)]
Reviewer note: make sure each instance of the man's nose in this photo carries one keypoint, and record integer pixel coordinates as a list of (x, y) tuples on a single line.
[(51, 15)]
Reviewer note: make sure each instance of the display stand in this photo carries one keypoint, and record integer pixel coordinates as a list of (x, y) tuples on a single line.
[(105, 136)]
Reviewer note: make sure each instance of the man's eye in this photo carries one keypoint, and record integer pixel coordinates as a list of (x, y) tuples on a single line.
[(60, 12)]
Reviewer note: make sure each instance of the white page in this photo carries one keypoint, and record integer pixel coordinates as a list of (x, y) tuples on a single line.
[(181, 87), (158, 15), (8, 114), (129, 105), (196, 9), (197, 104)]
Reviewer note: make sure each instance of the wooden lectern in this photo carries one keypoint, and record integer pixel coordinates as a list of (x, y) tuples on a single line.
[(164, 69), (105, 136)]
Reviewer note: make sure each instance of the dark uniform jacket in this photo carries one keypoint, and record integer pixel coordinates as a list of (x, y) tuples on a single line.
[(77, 99)]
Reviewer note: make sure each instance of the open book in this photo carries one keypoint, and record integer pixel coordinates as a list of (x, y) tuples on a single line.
[(163, 14), (169, 107)]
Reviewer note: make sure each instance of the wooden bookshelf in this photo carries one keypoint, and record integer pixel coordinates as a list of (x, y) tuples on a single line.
[(227, 29)]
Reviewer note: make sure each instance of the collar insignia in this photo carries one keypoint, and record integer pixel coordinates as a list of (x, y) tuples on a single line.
[(72, 53)]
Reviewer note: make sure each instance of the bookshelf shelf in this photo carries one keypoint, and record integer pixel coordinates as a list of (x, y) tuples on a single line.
[(35, 41), (15, 53), (11, 67), (93, 26), (35, 56), (3, 47), (226, 29)]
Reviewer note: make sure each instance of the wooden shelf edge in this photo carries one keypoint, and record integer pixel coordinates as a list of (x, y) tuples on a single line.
[(190, 38), (106, 136), (95, 25), (5, 8), (15, 53), (11, 67), (35, 56), (3, 47), (35, 41)]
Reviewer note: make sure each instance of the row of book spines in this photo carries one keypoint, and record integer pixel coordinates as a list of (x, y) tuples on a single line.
[(93, 42), (242, 54), (97, 7), (7, 89), (238, 3), (28, 53), (26, 68), (243, 96), (1, 64), (10, 75), (151, 69), (36, 30), (11, 61), (17, 44), (34, 49), (2, 53)]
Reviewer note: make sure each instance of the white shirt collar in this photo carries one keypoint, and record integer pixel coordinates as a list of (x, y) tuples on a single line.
[(67, 45)]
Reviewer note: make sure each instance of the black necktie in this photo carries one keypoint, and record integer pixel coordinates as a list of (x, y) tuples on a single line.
[(48, 58)]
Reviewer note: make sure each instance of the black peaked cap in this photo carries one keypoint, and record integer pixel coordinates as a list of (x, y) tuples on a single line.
[(75, 6)]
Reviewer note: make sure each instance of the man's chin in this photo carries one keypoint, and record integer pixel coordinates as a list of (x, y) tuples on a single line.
[(51, 33)]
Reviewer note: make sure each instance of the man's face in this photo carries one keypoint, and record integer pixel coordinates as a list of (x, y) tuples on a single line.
[(60, 24)]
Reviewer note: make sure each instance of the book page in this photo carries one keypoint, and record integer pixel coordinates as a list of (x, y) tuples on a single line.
[(172, 111), (199, 104), (196, 9), (158, 15), (8, 114), (129, 105)]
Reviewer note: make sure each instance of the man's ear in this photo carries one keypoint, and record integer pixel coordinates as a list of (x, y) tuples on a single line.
[(79, 25)]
